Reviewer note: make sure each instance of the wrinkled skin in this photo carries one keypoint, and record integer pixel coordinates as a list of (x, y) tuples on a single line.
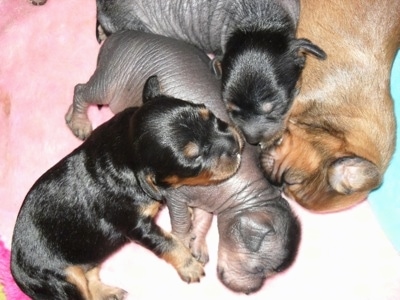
[(260, 58), (258, 232)]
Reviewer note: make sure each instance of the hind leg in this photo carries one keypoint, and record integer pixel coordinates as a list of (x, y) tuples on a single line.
[(76, 117), (167, 246), (90, 286), (202, 221)]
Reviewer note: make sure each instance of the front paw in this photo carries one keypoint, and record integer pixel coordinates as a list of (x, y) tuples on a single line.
[(198, 246), (199, 250), (78, 123), (186, 238), (191, 271)]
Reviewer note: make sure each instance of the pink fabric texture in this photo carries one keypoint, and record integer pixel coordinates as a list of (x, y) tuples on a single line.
[(44, 52)]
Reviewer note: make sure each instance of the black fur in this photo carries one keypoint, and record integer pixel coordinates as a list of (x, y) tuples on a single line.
[(255, 45), (107, 192), (260, 69)]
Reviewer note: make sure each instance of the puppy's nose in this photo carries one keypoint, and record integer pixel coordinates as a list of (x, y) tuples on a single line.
[(220, 272), (258, 270), (251, 138), (234, 150), (227, 144)]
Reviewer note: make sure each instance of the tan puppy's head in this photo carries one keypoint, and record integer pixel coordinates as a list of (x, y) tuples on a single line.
[(315, 169), (340, 131)]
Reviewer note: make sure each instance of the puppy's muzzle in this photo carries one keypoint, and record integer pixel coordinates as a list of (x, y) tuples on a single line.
[(227, 150)]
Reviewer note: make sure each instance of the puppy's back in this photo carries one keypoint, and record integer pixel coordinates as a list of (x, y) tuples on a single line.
[(184, 71)]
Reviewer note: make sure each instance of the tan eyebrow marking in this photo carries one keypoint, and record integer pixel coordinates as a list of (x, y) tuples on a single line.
[(204, 113), (191, 149)]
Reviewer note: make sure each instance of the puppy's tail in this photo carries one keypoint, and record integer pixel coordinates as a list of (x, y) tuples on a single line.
[(43, 283)]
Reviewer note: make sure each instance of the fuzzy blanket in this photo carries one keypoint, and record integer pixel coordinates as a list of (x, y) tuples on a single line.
[(44, 52)]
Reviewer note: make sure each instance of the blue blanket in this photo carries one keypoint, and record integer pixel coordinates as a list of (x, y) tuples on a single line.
[(385, 201)]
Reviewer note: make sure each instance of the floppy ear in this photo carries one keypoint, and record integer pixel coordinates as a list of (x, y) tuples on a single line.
[(305, 46), (147, 183), (353, 174), (151, 88), (253, 228)]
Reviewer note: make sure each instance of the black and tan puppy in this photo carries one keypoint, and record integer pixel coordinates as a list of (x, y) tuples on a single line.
[(107, 192)]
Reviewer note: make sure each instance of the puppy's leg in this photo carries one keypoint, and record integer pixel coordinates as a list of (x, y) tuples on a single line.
[(181, 220), (76, 117), (167, 246), (190, 228), (178, 255), (201, 224), (90, 286)]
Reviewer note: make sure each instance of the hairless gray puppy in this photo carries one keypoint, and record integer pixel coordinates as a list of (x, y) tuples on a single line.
[(255, 41), (258, 232)]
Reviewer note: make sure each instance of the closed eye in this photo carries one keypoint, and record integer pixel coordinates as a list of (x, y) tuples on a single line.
[(293, 178)]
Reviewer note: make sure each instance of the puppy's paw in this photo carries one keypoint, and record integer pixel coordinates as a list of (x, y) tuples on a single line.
[(199, 250), (191, 271), (186, 238), (37, 2), (78, 123), (101, 35), (117, 294)]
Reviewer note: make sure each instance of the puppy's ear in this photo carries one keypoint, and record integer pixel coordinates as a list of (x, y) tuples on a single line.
[(253, 228), (151, 89), (353, 174), (147, 183), (304, 46)]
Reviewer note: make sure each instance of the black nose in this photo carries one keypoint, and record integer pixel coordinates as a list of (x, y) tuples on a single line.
[(233, 147), (251, 138), (258, 270), (225, 143)]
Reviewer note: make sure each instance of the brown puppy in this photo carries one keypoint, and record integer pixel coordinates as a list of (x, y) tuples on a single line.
[(341, 129)]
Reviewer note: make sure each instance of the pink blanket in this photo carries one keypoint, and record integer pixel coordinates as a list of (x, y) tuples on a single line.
[(44, 52)]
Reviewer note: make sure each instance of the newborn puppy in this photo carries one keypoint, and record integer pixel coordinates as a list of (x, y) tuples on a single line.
[(341, 131), (108, 191), (262, 59), (258, 232)]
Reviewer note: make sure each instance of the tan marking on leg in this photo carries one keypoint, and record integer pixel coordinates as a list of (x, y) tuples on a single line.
[(188, 268), (99, 290), (76, 276), (89, 285)]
